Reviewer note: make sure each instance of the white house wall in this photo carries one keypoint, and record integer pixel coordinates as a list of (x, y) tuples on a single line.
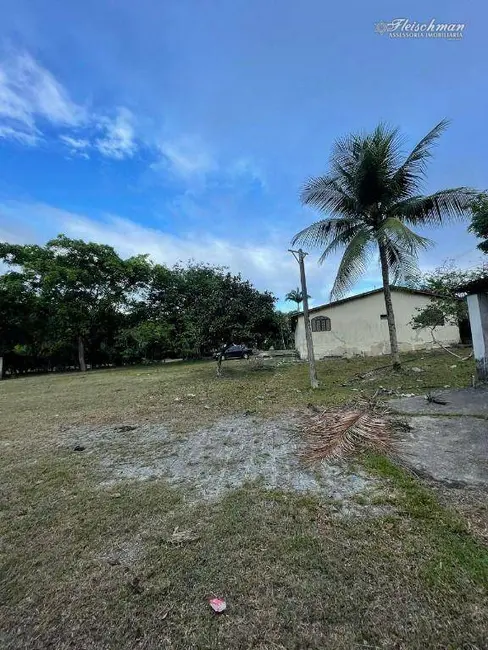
[(356, 327)]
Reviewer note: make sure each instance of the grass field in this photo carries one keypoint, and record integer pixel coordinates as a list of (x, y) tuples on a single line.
[(94, 563)]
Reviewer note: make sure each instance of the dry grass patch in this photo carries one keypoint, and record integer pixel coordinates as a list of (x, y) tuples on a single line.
[(293, 576), (106, 569), (186, 395)]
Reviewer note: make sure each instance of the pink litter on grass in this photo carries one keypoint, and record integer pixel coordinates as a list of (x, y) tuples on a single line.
[(218, 605)]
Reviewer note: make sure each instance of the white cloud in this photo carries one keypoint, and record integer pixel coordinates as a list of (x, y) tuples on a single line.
[(31, 97), (269, 266), (246, 168), (77, 146), (29, 93), (75, 143), (30, 138), (190, 160), (186, 157), (119, 139)]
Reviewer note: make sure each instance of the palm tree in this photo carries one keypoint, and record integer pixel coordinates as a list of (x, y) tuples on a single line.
[(295, 296), (371, 199)]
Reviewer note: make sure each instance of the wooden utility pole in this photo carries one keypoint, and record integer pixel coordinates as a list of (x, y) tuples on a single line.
[(299, 255)]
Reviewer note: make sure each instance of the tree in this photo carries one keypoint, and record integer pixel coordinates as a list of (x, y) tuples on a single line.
[(18, 310), (479, 220), (372, 199), (207, 307), (146, 341), (447, 306), (295, 296), (77, 282), (281, 335), (72, 302)]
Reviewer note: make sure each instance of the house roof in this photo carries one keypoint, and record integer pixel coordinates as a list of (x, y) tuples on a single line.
[(335, 303)]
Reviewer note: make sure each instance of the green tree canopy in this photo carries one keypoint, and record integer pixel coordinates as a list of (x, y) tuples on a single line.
[(71, 298), (448, 305), (78, 283), (479, 220)]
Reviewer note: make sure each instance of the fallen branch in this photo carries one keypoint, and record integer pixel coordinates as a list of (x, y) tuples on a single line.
[(457, 356), (363, 375)]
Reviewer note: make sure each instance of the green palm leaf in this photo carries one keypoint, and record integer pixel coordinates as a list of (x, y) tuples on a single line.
[(325, 232), (394, 229), (411, 174), (434, 209), (354, 262)]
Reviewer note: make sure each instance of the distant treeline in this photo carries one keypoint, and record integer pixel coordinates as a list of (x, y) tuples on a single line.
[(72, 303)]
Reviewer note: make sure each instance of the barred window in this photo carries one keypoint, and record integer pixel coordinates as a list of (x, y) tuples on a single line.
[(320, 324)]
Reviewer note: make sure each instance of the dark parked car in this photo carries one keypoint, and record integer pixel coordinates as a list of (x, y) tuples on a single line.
[(236, 352)]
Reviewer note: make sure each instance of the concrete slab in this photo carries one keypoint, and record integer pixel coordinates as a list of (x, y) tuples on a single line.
[(448, 449), (466, 401)]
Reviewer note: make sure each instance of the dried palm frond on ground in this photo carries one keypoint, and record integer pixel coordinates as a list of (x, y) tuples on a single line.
[(182, 536), (336, 433)]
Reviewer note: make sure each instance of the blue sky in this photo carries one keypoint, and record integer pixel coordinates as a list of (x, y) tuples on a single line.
[(185, 128)]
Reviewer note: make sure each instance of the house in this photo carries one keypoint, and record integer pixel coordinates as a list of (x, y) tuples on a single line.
[(477, 298), (358, 325)]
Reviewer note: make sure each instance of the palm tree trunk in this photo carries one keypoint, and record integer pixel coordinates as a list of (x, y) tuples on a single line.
[(395, 355)]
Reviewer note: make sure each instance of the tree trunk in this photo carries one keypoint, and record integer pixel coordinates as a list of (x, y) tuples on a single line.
[(1, 367), (220, 358), (219, 363), (81, 354), (395, 355)]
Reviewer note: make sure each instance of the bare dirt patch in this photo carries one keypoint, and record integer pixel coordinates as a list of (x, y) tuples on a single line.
[(211, 461)]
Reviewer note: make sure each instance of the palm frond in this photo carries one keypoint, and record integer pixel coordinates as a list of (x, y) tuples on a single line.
[(394, 229), (411, 173), (321, 233), (326, 195), (295, 295), (341, 240), (448, 204), (348, 153), (385, 144), (354, 263), (338, 433), (401, 263), (363, 165)]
